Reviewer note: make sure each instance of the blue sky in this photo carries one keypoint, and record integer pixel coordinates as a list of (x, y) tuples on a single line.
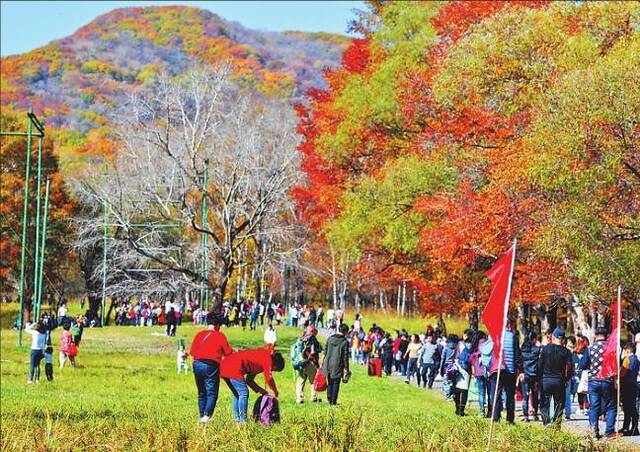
[(26, 25)]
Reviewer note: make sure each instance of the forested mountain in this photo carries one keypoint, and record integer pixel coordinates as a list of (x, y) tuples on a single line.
[(76, 80)]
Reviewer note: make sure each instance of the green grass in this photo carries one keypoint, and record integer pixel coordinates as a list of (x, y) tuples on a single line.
[(125, 395)]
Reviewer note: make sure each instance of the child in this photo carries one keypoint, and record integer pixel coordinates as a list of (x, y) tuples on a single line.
[(182, 360), (48, 362)]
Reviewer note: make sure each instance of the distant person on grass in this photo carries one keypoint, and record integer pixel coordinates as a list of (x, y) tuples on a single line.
[(207, 349), (172, 322), (68, 348), (38, 341), (336, 362), (306, 362), (239, 371)]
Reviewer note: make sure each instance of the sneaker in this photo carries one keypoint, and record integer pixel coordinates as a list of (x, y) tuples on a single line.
[(406, 381), (300, 402), (614, 435), (29, 382), (568, 418), (204, 419)]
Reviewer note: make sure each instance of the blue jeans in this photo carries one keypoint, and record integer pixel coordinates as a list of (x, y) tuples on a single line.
[(570, 390), (207, 375), (530, 392), (602, 399), (240, 402), (483, 387), (412, 368), (508, 384), (34, 364)]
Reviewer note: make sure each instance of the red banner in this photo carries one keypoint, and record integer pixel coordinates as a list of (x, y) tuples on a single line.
[(611, 353), (494, 315)]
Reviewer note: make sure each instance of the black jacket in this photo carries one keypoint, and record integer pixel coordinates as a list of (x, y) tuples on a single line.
[(336, 359), (530, 357), (555, 363)]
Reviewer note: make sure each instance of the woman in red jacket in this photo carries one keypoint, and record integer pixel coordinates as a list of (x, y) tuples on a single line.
[(239, 371), (207, 349)]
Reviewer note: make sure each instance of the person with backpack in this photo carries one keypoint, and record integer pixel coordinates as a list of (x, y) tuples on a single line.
[(554, 369), (336, 362), (68, 347), (305, 356), (479, 366), (239, 371), (208, 348), (463, 377), (529, 378), (602, 392), (447, 366)]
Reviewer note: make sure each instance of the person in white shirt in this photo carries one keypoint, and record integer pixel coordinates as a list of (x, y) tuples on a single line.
[(270, 336), (38, 342), (62, 312)]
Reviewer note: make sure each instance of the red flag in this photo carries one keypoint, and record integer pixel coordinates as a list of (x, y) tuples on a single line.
[(494, 315), (610, 354)]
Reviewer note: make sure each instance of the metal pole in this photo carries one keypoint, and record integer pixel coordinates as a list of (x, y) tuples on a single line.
[(104, 262), (42, 247), (204, 298), (37, 239), (25, 212)]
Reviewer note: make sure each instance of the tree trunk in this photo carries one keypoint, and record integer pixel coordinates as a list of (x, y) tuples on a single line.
[(441, 325)]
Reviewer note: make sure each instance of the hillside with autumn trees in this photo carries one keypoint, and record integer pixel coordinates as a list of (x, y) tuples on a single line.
[(77, 80), (451, 129)]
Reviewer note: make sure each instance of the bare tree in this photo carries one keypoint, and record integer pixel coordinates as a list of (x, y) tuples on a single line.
[(184, 144)]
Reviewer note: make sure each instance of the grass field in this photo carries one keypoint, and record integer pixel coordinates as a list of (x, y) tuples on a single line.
[(125, 395)]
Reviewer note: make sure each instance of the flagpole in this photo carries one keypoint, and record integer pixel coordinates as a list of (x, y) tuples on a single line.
[(618, 351), (504, 325)]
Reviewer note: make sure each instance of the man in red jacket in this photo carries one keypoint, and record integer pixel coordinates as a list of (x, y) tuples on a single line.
[(239, 371), (207, 349)]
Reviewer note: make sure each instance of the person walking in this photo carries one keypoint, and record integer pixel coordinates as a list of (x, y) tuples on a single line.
[(602, 392), (336, 362), (479, 371), (447, 361), (512, 363), (427, 362), (208, 348), (239, 371), (68, 348), (554, 370), (463, 377), (172, 321), (38, 342), (311, 350), (529, 378), (628, 390), (386, 345), (413, 349)]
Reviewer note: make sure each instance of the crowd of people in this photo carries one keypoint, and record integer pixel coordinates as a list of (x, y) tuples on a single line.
[(542, 372)]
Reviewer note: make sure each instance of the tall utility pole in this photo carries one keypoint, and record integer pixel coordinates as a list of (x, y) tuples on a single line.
[(25, 214), (36, 256), (40, 269), (104, 261), (204, 295)]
